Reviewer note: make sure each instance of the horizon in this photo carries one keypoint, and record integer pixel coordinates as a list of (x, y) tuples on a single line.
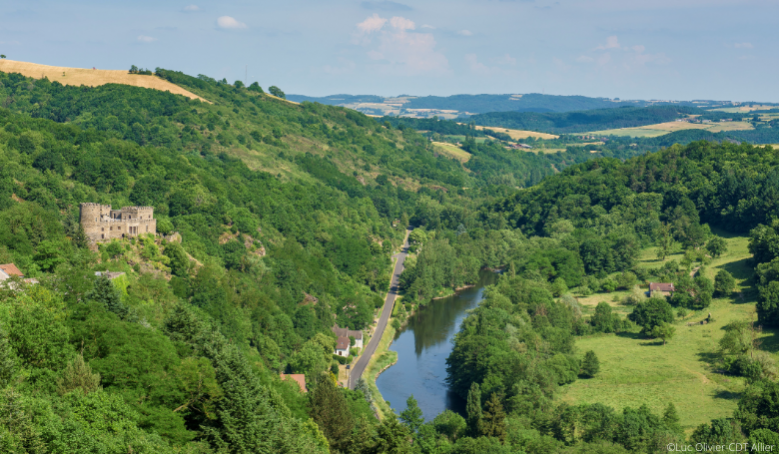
[(595, 48)]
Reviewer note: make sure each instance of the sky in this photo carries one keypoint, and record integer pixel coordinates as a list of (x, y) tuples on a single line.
[(627, 49)]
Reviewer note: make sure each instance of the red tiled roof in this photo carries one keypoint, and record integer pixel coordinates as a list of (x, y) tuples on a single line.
[(346, 332), (11, 270), (299, 378), (662, 287), (343, 343)]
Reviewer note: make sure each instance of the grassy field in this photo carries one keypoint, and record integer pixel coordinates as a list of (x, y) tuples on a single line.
[(92, 77), (662, 129), (636, 370), (452, 150), (744, 109), (517, 134)]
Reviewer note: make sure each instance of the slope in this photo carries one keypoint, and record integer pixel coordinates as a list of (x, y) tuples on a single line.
[(91, 77)]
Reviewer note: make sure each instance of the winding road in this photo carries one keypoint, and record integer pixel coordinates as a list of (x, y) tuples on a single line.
[(389, 302)]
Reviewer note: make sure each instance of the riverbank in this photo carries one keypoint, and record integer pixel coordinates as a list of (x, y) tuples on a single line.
[(382, 360)]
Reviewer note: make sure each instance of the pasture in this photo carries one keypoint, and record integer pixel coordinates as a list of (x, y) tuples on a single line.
[(636, 370), (92, 77), (452, 150), (662, 129), (517, 134)]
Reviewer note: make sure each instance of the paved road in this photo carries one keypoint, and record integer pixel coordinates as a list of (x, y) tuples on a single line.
[(389, 302)]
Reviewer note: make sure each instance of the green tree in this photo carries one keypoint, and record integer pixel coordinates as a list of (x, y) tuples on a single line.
[(604, 320), (105, 293), (255, 86), (665, 243), (2, 56), (7, 363), (78, 376), (671, 418), (494, 420), (590, 365), (473, 410), (329, 409), (724, 283), (412, 415), (651, 313), (717, 246), (664, 331), (276, 91)]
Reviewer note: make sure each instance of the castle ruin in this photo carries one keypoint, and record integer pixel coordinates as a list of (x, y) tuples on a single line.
[(101, 223)]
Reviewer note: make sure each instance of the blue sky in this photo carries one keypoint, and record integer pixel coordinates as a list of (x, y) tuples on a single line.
[(654, 49)]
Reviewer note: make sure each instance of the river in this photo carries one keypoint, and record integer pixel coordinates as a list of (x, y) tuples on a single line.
[(423, 346)]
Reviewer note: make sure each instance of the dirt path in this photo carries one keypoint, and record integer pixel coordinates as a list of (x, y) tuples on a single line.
[(389, 302)]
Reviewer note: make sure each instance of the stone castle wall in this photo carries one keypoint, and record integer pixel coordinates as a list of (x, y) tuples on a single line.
[(101, 223)]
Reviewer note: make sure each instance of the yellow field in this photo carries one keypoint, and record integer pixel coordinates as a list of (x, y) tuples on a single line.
[(517, 134), (92, 77), (744, 109), (661, 129), (452, 150)]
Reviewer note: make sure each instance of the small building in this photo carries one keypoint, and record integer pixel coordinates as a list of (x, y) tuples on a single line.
[(300, 379), (8, 271), (342, 346), (347, 333), (657, 289)]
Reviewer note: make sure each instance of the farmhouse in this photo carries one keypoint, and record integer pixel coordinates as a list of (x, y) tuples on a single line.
[(660, 289), (345, 332), (101, 223), (342, 346)]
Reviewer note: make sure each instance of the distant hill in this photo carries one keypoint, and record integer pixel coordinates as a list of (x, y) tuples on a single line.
[(457, 106)]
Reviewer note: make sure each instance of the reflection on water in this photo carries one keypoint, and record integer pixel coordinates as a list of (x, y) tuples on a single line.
[(423, 347)]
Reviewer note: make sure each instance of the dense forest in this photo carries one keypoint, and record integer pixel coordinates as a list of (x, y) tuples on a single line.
[(277, 220)]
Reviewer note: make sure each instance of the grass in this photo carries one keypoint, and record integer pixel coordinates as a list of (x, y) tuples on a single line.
[(452, 150), (662, 129), (517, 134), (92, 77), (380, 360), (636, 370)]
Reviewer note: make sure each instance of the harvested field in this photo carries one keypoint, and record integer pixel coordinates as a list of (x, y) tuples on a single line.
[(517, 134), (92, 77)]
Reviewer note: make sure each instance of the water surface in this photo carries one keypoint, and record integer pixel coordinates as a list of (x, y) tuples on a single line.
[(423, 346)]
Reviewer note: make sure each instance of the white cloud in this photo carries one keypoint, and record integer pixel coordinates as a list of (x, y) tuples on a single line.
[(465, 33), (146, 39), (743, 45), (585, 59), (372, 24), (399, 48), (191, 8), (401, 23), (428, 26), (611, 43), (231, 23)]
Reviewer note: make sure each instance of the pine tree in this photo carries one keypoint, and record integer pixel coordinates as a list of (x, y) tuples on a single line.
[(671, 418), (590, 366), (412, 415), (105, 292), (473, 410), (329, 409), (494, 421), (78, 375)]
